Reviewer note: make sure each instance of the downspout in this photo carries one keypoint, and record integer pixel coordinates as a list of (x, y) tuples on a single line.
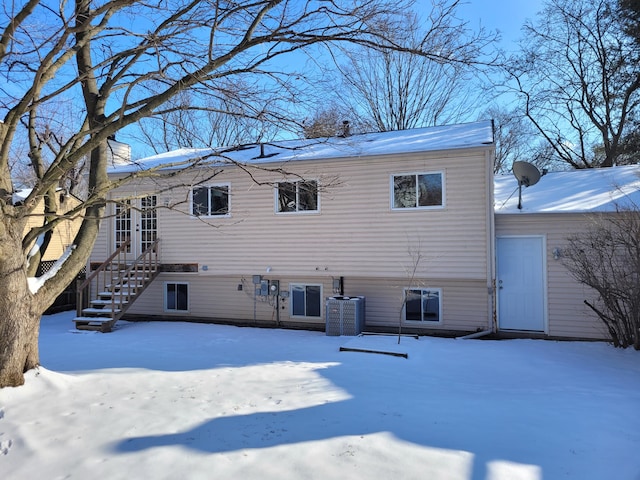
[(491, 255), (477, 334)]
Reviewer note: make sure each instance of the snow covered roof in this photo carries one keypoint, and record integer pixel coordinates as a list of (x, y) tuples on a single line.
[(448, 137), (576, 191), (20, 194)]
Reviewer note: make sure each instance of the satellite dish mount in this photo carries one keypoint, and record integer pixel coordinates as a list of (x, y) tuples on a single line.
[(527, 175)]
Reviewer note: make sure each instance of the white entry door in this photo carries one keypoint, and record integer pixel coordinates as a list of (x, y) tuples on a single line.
[(521, 283), (135, 220)]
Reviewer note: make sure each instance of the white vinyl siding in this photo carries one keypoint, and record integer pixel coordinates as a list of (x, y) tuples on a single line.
[(306, 300), (567, 314), (357, 233), (463, 303), (357, 236)]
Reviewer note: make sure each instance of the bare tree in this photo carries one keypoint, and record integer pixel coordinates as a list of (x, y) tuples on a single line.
[(630, 16), (578, 78), (517, 140), (397, 90), (607, 259), (118, 62), (197, 119), (512, 138), (331, 121)]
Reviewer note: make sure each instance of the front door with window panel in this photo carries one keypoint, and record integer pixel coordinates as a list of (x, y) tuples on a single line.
[(521, 283), (136, 220)]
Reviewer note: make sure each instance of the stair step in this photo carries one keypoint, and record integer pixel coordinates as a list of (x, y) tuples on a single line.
[(130, 278), (99, 311), (107, 302), (92, 320), (115, 294), (124, 286), (92, 323), (125, 280)]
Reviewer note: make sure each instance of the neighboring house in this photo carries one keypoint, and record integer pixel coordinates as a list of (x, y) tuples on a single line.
[(536, 293), (64, 233), (264, 234), (61, 238)]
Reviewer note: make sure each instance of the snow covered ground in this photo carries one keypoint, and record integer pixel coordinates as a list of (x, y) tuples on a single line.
[(192, 401)]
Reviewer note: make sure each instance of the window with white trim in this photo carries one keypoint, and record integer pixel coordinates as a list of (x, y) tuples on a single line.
[(305, 300), (423, 305), (417, 190), (122, 223), (176, 297), (300, 196), (208, 201)]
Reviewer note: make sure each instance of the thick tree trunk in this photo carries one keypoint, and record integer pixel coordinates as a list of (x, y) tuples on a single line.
[(21, 310), (19, 314), (19, 330)]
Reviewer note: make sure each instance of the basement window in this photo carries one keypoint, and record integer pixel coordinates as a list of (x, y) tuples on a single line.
[(305, 300), (176, 297), (423, 305)]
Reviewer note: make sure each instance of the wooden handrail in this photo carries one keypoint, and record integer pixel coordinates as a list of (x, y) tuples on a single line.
[(141, 259), (117, 277), (104, 264), (83, 290)]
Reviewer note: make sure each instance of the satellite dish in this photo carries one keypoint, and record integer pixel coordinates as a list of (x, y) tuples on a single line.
[(527, 175)]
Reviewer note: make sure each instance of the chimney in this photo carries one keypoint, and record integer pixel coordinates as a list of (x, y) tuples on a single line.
[(118, 153), (346, 129)]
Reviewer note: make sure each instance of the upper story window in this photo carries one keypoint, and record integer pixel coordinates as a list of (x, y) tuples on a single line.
[(300, 196), (210, 201), (418, 190)]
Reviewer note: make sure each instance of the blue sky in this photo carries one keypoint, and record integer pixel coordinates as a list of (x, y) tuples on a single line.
[(507, 16)]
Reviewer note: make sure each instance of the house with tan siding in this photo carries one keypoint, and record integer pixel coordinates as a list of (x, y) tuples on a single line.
[(535, 292), (62, 237), (264, 234), (404, 224), (64, 233)]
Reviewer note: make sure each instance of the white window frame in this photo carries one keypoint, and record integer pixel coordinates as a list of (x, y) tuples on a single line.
[(165, 297), (297, 211), (291, 297), (209, 187), (392, 197), (123, 222), (423, 290)]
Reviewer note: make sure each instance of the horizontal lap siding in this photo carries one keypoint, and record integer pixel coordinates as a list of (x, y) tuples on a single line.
[(464, 303), (567, 313), (101, 248), (64, 232), (218, 298), (355, 233)]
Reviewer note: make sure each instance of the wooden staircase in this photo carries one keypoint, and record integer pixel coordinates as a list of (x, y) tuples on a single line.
[(111, 289)]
